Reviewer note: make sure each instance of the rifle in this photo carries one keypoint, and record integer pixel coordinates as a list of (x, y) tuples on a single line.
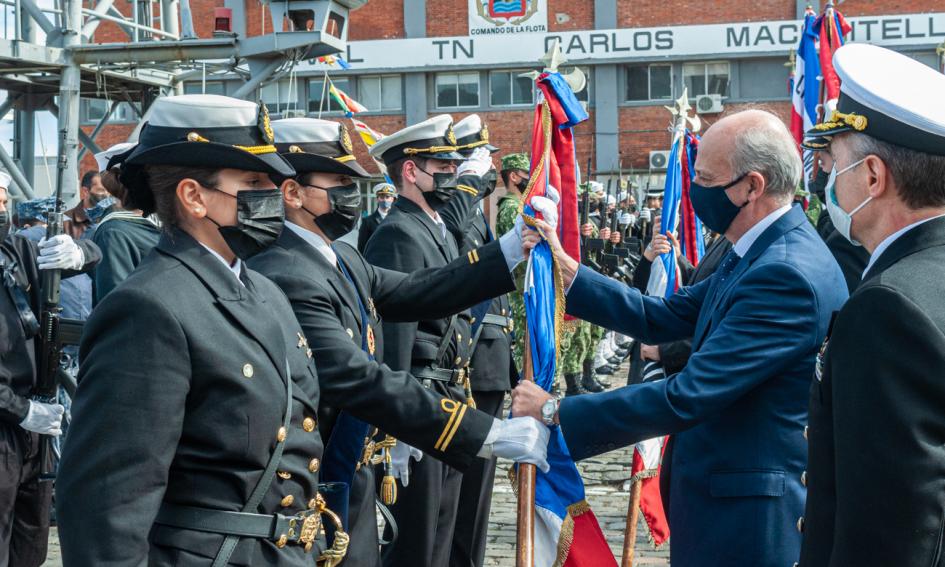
[(49, 370)]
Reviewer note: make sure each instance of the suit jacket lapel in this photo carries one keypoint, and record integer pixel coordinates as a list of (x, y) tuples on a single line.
[(419, 215), (231, 296), (788, 222), (926, 235), (307, 253)]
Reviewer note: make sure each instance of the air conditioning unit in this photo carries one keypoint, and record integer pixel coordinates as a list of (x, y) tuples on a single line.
[(709, 104), (658, 160)]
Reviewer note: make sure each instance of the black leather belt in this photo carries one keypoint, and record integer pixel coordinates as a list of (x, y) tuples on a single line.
[(439, 374), (300, 529), (493, 319)]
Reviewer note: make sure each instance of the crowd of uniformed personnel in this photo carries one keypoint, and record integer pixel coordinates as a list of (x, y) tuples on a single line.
[(251, 388)]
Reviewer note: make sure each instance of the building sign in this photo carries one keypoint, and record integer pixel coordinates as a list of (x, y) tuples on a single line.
[(507, 17), (628, 44)]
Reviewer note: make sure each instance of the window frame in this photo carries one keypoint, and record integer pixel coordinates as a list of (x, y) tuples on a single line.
[(346, 85), (512, 74), (705, 76), (649, 100), (457, 74), (380, 82)]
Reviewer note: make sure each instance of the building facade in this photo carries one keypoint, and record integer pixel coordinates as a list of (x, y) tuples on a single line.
[(411, 59)]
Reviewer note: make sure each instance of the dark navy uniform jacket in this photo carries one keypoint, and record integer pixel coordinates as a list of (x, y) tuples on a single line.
[(181, 398)]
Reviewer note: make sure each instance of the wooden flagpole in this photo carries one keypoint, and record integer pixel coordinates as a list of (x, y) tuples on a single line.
[(680, 111), (525, 529)]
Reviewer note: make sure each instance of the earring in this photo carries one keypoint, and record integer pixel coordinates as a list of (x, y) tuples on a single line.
[(198, 209)]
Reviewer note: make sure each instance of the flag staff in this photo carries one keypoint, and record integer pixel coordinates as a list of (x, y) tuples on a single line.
[(525, 528), (680, 113)]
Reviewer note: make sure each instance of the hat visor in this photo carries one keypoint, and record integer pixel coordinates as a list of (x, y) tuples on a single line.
[(314, 163), (212, 155), (816, 144), (825, 130), (445, 156)]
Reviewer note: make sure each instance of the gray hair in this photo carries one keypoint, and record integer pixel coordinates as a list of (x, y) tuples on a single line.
[(919, 177), (768, 148)]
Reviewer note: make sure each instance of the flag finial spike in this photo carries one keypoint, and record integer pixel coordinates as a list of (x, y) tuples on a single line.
[(554, 58)]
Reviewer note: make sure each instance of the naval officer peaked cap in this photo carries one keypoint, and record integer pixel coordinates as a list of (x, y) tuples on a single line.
[(385, 189), (472, 133), (202, 130), (114, 156), (888, 96), (433, 138), (314, 145)]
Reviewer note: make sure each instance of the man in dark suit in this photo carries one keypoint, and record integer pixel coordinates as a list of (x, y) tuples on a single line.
[(739, 407), (339, 300), (876, 476), (421, 160), (385, 195)]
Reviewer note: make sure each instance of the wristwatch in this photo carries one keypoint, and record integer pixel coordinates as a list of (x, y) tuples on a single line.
[(549, 410)]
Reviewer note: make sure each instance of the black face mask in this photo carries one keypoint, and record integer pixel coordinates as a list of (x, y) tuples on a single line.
[(344, 207), (444, 187), (259, 221), (488, 185), (522, 185), (4, 224), (818, 185), (713, 206)]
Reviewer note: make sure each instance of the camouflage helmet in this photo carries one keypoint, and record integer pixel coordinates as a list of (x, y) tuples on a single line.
[(515, 161)]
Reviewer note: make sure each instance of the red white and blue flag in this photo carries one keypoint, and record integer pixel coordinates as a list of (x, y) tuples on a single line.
[(831, 27), (566, 531), (805, 88), (664, 281)]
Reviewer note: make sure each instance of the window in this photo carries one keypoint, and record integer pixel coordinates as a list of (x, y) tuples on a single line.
[(649, 82), (762, 79), (457, 89), (381, 92), (706, 78), (210, 87), (280, 96), (507, 88), (92, 110), (317, 103)]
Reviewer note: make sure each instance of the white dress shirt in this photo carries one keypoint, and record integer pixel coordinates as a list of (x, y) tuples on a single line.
[(316, 241), (892, 238), (751, 235), (236, 267)]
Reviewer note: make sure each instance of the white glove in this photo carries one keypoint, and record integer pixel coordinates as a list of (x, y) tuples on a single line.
[(400, 455), (477, 164), (521, 439), (645, 215), (60, 253), (511, 244), (45, 419)]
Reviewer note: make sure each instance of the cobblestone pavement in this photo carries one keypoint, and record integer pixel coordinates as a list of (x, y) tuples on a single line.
[(605, 479)]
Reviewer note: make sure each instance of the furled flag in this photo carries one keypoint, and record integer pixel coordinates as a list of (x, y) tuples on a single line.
[(566, 531), (805, 88), (347, 104), (664, 281), (831, 27), (333, 60)]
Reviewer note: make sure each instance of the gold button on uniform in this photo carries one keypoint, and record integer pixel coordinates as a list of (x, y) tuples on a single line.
[(281, 434), (287, 501), (283, 539), (313, 465), (457, 361), (800, 524), (248, 370), (284, 475), (804, 478), (350, 333), (308, 424)]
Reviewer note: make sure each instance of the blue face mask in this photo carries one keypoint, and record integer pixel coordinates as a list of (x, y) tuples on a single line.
[(100, 209), (713, 206)]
